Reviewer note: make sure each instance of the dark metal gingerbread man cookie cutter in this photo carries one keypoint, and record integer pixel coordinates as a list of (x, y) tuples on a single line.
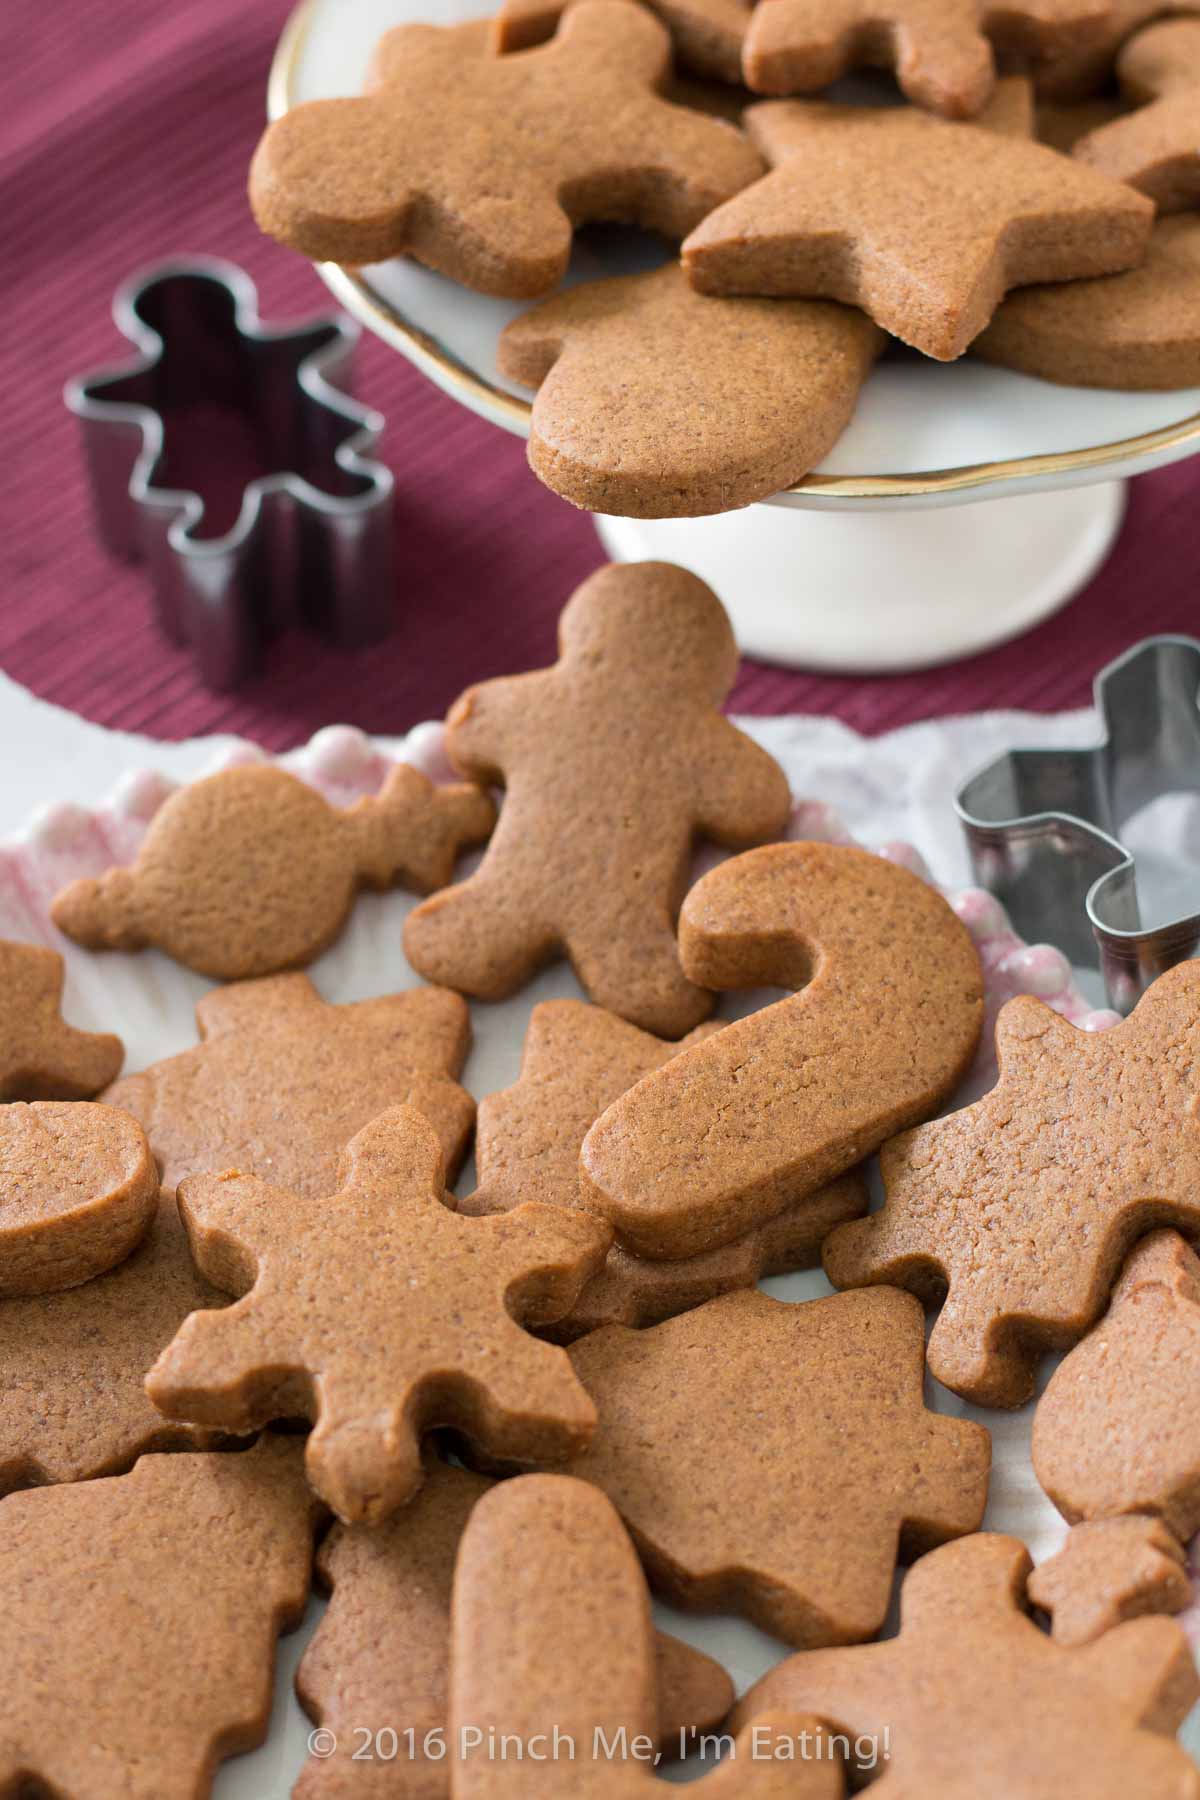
[(299, 553), (1043, 826)]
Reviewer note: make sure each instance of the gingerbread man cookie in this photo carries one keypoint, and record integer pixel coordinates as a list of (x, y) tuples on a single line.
[(73, 1404), (613, 761), (480, 166), (1086, 1138), (1109, 1570), (382, 1651), (215, 882), (78, 1189), (764, 1114), (1111, 1433), (771, 386), (941, 50), (551, 1647), (706, 35), (924, 223), (577, 1059), (41, 1057), (1136, 331), (976, 1700), (380, 1314), (140, 1617), (774, 1459), (1157, 148), (282, 1080)]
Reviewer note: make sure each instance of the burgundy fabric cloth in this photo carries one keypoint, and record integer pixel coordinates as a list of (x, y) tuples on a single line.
[(125, 131)]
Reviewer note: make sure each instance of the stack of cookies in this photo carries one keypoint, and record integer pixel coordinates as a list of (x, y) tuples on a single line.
[(509, 1416), (1028, 195)]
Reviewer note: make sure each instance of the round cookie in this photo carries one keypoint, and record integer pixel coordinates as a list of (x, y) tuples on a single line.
[(78, 1189)]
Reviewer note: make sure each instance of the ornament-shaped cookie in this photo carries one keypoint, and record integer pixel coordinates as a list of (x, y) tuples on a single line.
[(576, 1061), (140, 1618), (612, 762), (78, 1189), (770, 387), (758, 1118), (42, 1057), (1157, 148), (282, 1080), (1115, 1430), (551, 1646), (774, 1460), (924, 223), (1085, 1138), (251, 870), (1109, 1570), (481, 166), (379, 1314), (382, 1650), (979, 1701)]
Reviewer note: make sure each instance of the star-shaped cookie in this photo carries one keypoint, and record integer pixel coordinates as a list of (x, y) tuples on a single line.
[(380, 1314), (480, 167), (214, 883), (1109, 1570), (770, 387), (576, 1060), (774, 1460), (924, 223), (72, 1365), (552, 1649), (1024, 1205), (1157, 148), (382, 1650), (140, 1618), (282, 1080), (977, 1701), (941, 50), (1111, 1433), (42, 1057)]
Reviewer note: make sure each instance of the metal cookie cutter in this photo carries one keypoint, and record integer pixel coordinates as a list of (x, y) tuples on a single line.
[(1043, 826), (313, 544)]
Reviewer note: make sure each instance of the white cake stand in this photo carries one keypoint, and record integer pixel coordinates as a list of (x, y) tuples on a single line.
[(903, 567)]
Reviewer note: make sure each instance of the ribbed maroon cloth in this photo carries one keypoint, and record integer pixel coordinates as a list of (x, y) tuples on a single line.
[(125, 132)]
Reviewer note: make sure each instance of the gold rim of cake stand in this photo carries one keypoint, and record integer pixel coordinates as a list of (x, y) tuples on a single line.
[(434, 360)]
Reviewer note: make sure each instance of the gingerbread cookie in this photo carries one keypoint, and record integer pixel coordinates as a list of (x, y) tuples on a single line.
[(706, 35), (382, 1651), (480, 166), (1074, 77), (1109, 1570), (282, 1080), (1136, 331), (847, 214), (613, 761), (41, 1057), (78, 1188), (979, 1701), (941, 50), (774, 1459), (215, 882), (1157, 148), (771, 386), (140, 1618), (757, 1118), (1086, 1138), (551, 1647), (1111, 1433), (577, 1059), (380, 1314), (72, 1400)]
